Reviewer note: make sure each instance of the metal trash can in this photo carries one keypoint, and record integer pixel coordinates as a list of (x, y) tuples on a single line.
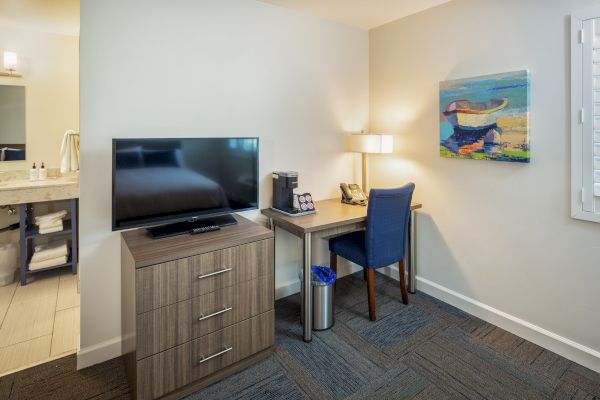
[(323, 279)]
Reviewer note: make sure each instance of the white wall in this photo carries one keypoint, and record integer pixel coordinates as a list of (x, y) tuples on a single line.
[(494, 238), (208, 68), (49, 64)]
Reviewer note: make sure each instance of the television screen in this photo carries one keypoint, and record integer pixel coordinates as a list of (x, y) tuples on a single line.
[(159, 181)]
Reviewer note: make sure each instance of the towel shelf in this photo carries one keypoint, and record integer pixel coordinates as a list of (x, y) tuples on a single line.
[(29, 232)]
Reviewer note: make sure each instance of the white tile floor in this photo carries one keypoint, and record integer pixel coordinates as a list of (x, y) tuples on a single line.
[(39, 321)]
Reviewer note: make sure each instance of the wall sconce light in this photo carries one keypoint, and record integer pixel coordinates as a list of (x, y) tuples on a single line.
[(10, 65)]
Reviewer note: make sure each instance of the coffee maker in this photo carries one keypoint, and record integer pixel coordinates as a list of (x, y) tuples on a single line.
[(284, 183), (285, 200)]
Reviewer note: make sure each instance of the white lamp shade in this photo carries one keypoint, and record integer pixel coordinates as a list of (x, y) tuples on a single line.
[(10, 61), (362, 143)]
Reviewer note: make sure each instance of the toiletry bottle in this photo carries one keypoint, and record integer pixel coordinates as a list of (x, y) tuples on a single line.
[(43, 173), (33, 173)]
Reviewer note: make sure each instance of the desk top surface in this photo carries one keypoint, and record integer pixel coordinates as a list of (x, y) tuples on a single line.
[(330, 213)]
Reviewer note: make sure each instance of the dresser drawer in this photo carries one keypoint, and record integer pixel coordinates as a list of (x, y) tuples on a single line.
[(169, 326), (223, 268), (174, 368), (171, 282)]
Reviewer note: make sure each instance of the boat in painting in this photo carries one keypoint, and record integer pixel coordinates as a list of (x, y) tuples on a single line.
[(468, 115), (486, 117)]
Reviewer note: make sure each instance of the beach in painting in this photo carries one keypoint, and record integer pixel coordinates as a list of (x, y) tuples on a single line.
[(486, 118)]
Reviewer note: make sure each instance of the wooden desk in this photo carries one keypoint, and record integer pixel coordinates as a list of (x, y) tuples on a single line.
[(333, 218)]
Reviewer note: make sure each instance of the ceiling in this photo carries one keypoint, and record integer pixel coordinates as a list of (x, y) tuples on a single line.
[(365, 14), (62, 16), (51, 16)]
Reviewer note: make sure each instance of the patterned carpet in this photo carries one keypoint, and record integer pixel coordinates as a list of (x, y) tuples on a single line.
[(426, 350)]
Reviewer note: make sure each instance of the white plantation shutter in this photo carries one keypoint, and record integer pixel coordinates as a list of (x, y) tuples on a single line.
[(585, 115), (596, 107)]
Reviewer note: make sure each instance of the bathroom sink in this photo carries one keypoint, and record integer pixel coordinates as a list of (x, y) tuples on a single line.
[(21, 190)]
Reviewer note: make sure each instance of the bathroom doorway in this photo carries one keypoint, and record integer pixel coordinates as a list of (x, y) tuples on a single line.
[(39, 280)]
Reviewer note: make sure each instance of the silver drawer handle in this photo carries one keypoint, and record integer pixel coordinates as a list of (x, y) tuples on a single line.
[(205, 359), (202, 276), (224, 310)]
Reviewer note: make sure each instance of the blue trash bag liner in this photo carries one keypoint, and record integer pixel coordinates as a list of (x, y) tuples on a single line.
[(324, 275), (321, 276)]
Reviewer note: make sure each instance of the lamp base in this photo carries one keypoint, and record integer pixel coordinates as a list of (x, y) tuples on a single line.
[(364, 174)]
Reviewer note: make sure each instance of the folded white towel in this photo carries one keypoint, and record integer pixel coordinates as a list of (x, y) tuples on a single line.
[(50, 224), (47, 263), (56, 227), (50, 217), (50, 230), (43, 253)]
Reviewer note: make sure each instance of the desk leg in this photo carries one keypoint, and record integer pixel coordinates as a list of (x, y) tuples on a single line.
[(308, 306), (412, 254)]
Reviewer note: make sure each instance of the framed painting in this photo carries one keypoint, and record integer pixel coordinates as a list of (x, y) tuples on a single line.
[(486, 118)]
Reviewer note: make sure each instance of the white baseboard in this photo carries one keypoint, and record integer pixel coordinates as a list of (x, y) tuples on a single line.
[(95, 354), (287, 289), (292, 287), (391, 271), (563, 346)]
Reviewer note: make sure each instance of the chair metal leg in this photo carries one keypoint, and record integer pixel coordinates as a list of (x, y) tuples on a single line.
[(371, 290), (403, 290)]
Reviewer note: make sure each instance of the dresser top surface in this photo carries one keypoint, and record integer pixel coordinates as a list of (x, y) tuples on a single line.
[(147, 251)]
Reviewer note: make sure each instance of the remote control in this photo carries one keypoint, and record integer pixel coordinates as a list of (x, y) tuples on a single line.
[(203, 229)]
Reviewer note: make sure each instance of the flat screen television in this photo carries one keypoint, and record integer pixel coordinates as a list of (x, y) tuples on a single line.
[(166, 181)]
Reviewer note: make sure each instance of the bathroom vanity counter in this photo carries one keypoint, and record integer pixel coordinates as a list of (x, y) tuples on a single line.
[(19, 191)]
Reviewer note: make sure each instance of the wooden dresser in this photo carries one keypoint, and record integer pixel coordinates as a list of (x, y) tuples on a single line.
[(195, 309)]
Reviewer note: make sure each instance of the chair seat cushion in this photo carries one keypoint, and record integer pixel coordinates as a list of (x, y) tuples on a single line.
[(351, 246)]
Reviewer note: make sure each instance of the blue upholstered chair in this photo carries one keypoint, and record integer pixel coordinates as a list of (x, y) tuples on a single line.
[(383, 242)]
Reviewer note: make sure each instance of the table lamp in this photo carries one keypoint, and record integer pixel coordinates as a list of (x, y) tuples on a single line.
[(370, 144)]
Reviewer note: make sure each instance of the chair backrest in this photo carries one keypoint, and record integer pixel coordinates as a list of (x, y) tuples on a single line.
[(387, 225)]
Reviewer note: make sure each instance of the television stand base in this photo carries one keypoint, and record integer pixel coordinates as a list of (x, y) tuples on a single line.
[(192, 225)]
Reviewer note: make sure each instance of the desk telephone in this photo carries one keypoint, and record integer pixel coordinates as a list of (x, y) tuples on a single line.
[(352, 194)]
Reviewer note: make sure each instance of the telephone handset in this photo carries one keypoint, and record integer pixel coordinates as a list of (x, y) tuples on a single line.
[(352, 194)]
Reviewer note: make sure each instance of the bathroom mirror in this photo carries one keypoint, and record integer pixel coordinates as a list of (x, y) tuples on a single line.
[(12, 123)]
